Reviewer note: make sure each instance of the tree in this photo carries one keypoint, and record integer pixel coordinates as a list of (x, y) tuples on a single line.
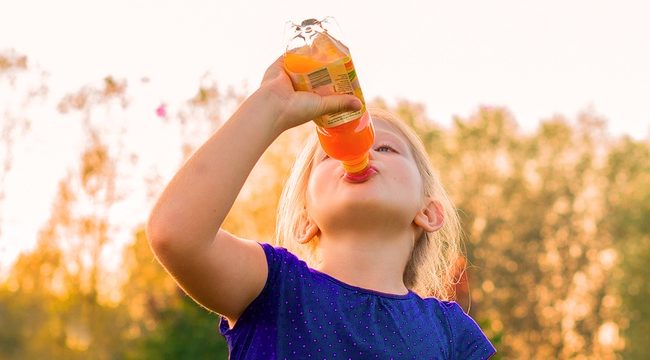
[(165, 323), (65, 278), (628, 209), (533, 207), (58, 313)]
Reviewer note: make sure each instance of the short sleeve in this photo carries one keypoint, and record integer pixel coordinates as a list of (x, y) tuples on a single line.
[(275, 257), (468, 340), (264, 304)]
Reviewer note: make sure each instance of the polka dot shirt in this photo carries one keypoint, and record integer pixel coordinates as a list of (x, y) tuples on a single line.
[(304, 314)]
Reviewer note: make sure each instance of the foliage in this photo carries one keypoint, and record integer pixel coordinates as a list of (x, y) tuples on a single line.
[(629, 211), (183, 332), (165, 323)]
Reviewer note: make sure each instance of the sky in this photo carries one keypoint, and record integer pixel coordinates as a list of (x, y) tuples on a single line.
[(538, 59)]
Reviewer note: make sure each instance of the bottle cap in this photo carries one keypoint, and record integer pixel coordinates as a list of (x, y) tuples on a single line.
[(303, 33), (309, 22)]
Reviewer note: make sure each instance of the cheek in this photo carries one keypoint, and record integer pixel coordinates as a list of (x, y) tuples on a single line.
[(315, 185), (309, 194), (411, 184), (408, 175), (322, 174), (316, 199)]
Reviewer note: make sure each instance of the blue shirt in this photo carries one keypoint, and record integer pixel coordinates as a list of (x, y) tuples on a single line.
[(304, 314)]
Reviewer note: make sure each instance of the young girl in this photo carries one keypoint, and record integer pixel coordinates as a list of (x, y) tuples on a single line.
[(377, 255)]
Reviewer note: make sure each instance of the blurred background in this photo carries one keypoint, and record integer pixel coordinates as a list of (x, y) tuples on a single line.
[(536, 116)]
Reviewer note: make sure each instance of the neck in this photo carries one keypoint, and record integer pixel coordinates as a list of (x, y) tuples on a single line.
[(370, 261)]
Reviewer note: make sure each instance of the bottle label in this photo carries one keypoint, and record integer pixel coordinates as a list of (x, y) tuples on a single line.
[(339, 77)]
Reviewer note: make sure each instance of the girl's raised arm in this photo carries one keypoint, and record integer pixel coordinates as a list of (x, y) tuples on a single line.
[(220, 271)]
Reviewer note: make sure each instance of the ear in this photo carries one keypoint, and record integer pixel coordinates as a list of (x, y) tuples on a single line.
[(430, 217), (307, 230)]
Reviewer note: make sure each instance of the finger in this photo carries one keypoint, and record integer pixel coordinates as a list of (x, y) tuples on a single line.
[(338, 103), (275, 68)]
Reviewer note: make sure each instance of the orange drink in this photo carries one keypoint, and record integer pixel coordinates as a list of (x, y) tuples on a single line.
[(318, 62)]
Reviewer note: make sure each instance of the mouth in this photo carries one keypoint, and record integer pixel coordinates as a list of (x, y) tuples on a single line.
[(360, 177)]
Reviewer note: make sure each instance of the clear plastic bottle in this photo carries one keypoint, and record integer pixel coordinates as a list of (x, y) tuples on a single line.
[(318, 62)]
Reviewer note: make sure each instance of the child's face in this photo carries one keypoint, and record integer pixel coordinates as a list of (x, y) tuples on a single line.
[(393, 194)]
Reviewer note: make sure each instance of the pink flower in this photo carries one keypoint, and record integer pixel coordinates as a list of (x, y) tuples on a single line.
[(161, 111)]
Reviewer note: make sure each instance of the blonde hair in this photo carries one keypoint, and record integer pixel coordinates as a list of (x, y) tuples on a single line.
[(432, 267)]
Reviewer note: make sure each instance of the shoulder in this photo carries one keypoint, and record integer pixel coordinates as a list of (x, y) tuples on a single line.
[(449, 310), (281, 263), (276, 255), (467, 340)]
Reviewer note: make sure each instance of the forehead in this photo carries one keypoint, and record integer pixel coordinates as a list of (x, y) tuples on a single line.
[(383, 127)]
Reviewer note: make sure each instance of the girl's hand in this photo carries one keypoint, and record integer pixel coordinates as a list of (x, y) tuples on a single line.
[(292, 108)]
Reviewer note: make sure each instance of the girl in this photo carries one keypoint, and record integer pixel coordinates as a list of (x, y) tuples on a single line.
[(379, 254)]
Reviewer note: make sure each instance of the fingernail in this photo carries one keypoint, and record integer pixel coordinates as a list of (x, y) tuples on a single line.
[(356, 104)]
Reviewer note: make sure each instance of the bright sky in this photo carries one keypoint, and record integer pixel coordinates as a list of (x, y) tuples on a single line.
[(536, 58)]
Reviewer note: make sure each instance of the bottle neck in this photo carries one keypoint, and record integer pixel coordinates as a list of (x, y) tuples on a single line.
[(356, 166)]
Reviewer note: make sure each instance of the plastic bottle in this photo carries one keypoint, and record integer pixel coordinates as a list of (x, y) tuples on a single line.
[(318, 62)]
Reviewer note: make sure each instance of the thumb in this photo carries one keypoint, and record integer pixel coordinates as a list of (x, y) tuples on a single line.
[(338, 103)]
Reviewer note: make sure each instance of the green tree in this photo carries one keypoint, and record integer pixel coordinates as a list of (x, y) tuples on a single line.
[(533, 208), (628, 196), (164, 322)]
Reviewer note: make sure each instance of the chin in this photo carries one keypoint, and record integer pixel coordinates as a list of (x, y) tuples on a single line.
[(371, 211)]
